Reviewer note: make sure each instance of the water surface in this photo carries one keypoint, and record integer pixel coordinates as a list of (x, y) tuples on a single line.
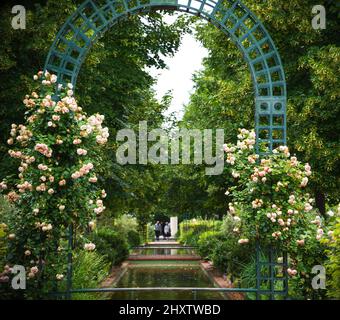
[(165, 276)]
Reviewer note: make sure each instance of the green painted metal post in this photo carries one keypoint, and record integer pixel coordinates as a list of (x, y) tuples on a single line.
[(271, 274), (285, 274), (258, 270), (69, 263)]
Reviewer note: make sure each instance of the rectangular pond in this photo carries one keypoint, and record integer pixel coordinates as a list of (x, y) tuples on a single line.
[(162, 251), (165, 276)]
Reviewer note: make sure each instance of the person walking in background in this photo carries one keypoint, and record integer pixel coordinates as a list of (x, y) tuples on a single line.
[(158, 228), (167, 231), (162, 229)]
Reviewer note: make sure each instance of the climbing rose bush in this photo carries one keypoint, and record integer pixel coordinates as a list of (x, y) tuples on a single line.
[(270, 204), (58, 150)]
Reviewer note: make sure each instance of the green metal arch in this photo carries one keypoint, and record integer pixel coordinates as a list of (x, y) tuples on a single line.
[(93, 17)]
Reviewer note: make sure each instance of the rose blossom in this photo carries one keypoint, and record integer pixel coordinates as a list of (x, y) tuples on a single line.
[(81, 152), (59, 277), (308, 207), (34, 270), (42, 167), (300, 242), (76, 141), (43, 149), (281, 222), (291, 272), (92, 224), (47, 227), (54, 78), (89, 246), (304, 182), (243, 241), (330, 213), (257, 203)]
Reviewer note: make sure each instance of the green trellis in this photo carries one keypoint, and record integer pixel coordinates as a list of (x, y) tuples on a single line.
[(94, 17)]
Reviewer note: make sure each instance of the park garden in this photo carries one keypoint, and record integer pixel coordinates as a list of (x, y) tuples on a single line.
[(72, 216)]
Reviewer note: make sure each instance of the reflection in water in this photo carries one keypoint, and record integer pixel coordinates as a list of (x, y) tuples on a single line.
[(162, 251), (159, 276)]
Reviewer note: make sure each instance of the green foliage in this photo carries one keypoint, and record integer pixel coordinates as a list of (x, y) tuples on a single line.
[(206, 242), (5, 210), (125, 223), (247, 278), (111, 244), (113, 81), (89, 270), (128, 227), (114, 75), (191, 230), (150, 232), (218, 243), (224, 92), (133, 238), (332, 263), (226, 253)]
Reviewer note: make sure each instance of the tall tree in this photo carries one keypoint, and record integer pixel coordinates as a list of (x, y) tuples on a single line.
[(224, 98), (113, 81)]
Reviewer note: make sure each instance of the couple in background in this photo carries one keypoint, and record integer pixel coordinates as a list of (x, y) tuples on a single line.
[(162, 229)]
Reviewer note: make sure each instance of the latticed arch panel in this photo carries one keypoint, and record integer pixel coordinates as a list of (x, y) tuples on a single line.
[(94, 17)]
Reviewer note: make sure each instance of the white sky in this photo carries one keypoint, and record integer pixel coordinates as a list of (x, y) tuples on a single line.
[(178, 76)]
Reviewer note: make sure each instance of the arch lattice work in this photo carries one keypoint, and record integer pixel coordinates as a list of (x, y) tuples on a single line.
[(94, 17)]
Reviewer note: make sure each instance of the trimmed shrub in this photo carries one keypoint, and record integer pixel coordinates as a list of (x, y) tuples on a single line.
[(206, 243), (190, 231), (229, 256), (133, 238), (111, 244)]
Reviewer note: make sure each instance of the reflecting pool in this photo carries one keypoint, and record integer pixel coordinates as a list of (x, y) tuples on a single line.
[(165, 276), (162, 251)]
